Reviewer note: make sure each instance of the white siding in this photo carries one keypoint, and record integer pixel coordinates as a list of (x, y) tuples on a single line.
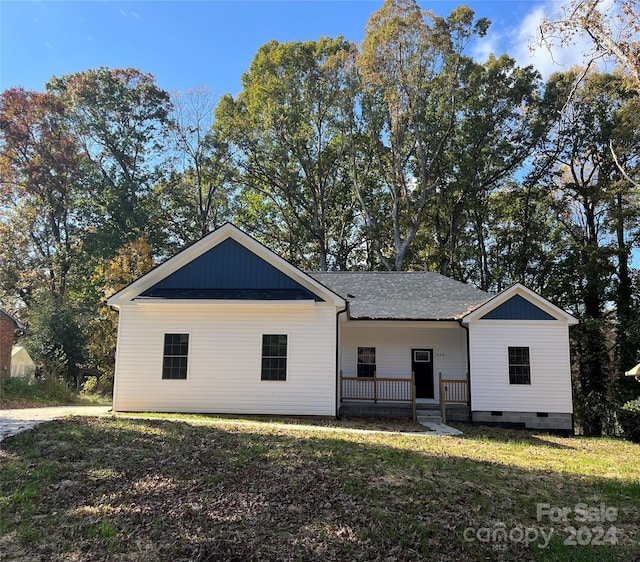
[(224, 362), (548, 343), (395, 340)]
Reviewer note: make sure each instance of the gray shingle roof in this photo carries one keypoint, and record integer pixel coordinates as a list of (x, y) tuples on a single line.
[(401, 295)]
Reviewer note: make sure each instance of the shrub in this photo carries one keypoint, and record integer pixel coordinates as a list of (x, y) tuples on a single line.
[(90, 385), (45, 390), (629, 417), (94, 385)]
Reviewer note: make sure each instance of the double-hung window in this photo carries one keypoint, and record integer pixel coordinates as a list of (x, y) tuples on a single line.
[(366, 361), (175, 355), (519, 365), (274, 357)]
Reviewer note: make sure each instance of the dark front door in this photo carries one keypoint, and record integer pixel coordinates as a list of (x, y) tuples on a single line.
[(422, 366)]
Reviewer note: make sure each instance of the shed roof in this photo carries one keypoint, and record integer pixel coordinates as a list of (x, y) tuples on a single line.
[(401, 295)]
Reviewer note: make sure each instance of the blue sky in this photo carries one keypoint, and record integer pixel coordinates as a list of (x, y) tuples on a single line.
[(194, 43)]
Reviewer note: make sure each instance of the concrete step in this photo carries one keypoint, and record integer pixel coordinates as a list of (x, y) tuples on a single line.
[(422, 418)]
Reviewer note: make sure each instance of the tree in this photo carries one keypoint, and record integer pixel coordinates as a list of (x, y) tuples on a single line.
[(131, 261), (202, 188), (614, 33), (499, 125), (122, 118), (288, 139), (42, 171), (588, 191), (412, 69)]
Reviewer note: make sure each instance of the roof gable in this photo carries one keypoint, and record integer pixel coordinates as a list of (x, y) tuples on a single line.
[(230, 271), (517, 308), (227, 264)]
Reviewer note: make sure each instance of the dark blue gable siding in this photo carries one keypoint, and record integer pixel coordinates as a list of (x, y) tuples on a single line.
[(229, 271), (517, 308)]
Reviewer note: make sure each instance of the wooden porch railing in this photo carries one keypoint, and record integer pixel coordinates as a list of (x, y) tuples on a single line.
[(379, 388), (452, 391)]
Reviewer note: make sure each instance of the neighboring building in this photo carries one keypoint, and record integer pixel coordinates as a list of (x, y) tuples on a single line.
[(227, 326), (22, 365), (8, 327)]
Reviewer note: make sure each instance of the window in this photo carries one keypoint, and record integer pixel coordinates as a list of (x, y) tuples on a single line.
[(174, 360), (519, 365), (366, 361), (274, 357)]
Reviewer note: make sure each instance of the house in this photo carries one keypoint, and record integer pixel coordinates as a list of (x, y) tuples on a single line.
[(228, 326), (21, 363), (8, 327)]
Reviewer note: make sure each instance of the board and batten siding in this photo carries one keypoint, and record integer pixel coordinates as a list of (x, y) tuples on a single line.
[(224, 361), (394, 341), (548, 343)]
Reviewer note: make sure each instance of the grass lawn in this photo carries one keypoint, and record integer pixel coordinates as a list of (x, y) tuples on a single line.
[(203, 489)]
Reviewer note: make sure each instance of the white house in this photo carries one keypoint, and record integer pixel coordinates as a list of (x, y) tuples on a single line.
[(227, 326)]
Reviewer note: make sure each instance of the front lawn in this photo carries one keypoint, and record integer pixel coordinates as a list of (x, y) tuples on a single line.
[(223, 489)]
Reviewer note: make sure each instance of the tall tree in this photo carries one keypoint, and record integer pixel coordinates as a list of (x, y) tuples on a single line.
[(287, 136), (499, 125), (122, 118), (613, 30), (413, 69), (43, 174), (589, 189), (201, 190)]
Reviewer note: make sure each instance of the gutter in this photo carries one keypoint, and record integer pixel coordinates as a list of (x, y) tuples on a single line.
[(338, 356), (466, 328)]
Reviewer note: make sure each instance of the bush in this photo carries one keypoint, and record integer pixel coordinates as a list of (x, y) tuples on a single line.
[(46, 390), (94, 385), (629, 417), (90, 385)]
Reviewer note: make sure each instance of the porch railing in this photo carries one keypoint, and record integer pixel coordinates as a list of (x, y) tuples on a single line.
[(452, 391), (379, 388)]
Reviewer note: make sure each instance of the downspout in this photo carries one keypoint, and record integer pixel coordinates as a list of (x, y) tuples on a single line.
[(466, 328), (338, 357)]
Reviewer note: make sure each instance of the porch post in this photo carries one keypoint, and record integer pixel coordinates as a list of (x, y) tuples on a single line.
[(413, 395), (443, 399), (375, 388)]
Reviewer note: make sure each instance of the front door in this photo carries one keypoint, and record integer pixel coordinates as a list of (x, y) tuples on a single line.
[(422, 366)]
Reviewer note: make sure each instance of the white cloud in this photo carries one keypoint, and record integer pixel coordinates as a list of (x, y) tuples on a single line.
[(487, 45), (525, 45), (522, 41)]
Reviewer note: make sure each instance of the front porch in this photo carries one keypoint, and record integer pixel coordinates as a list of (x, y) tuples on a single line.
[(395, 397)]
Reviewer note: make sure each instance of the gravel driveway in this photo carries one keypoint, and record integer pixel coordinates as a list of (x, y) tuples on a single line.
[(15, 421)]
